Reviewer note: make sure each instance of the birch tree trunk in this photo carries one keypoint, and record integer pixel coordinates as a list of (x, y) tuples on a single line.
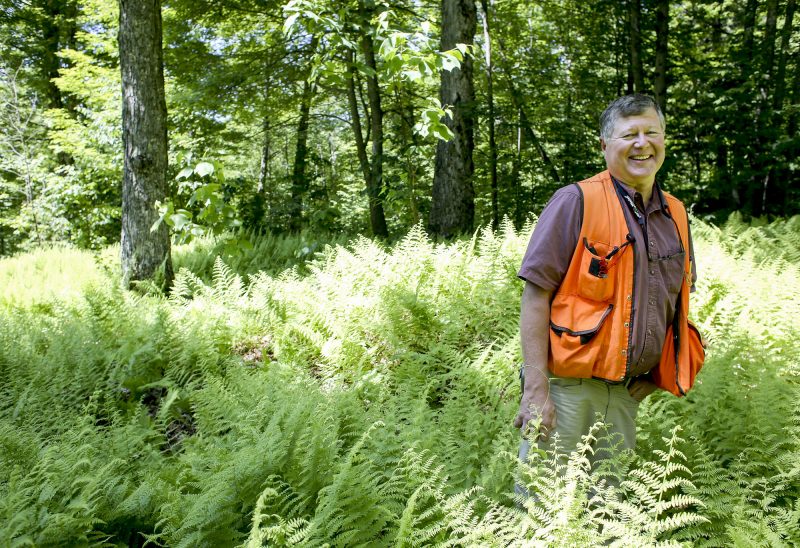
[(487, 44)]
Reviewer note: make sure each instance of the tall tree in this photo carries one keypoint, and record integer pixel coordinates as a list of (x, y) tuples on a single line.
[(453, 206), (662, 32), (299, 177), (37, 31), (487, 51), (783, 55), (144, 135), (768, 46), (636, 83), (371, 167), (375, 185)]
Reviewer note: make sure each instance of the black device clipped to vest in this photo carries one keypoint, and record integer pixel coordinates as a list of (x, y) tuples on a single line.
[(598, 267)]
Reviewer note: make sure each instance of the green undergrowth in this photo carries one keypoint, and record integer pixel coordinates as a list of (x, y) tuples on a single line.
[(361, 394)]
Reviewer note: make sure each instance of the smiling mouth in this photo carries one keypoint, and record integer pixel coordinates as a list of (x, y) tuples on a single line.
[(641, 157)]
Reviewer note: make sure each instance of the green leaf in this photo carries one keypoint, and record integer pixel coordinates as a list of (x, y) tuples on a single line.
[(185, 173), (394, 65), (449, 62), (413, 75), (387, 47), (206, 192), (204, 168), (179, 220), (289, 23)]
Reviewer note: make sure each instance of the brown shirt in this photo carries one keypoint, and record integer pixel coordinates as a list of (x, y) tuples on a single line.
[(658, 264)]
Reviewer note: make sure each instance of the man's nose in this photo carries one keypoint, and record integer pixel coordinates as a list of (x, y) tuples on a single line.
[(640, 139)]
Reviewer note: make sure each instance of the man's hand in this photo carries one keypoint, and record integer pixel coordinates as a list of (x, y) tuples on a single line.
[(639, 389), (536, 404)]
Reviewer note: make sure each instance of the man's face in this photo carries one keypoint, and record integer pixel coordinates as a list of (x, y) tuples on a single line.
[(635, 150)]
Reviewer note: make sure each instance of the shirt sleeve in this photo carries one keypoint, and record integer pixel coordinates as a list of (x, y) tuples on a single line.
[(553, 241)]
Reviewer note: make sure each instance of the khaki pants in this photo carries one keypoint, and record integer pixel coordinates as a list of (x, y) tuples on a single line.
[(579, 404)]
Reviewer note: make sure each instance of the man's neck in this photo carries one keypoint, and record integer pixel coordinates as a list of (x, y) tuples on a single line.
[(645, 188)]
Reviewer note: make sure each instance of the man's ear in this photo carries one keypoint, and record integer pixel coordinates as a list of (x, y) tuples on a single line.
[(602, 144)]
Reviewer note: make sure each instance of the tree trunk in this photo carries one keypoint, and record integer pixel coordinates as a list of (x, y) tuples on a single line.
[(793, 150), (662, 32), (299, 178), (768, 48), (453, 206), (266, 145), (794, 115), (780, 75), (520, 209), (377, 218), (749, 29), (145, 252), (487, 44), (58, 29), (50, 32), (355, 117), (637, 72), (261, 198), (411, 160), (619, 55), (263, 170), (769, 121), (375, 209)]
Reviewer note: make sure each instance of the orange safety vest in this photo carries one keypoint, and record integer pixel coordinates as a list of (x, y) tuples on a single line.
[(591, 313)]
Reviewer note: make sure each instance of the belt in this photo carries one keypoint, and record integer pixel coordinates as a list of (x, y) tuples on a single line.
[(625, 382)]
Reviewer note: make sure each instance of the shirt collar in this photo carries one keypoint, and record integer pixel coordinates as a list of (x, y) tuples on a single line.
[(657, 200)]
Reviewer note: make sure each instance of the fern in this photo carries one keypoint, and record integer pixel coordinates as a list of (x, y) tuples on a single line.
[(242, 409)]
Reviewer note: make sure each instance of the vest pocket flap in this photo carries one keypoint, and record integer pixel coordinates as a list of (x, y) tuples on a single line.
[(582, 319)]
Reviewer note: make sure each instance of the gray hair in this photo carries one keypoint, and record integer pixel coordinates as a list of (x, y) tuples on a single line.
[(627, 105)]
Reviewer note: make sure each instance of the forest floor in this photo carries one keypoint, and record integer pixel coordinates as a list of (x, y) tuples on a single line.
[(344, 393)]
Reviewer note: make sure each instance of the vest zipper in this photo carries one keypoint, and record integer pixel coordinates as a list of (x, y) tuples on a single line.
[(629, 353), (619, 192)]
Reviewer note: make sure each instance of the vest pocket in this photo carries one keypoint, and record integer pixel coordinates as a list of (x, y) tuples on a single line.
[(576, 335), (596, 281)]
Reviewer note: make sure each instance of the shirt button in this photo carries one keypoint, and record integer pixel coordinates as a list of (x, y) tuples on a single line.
[(652, 243), (628, 298), (627, 324), (652, 302), (624, 352), (652, 271), (649, 331)]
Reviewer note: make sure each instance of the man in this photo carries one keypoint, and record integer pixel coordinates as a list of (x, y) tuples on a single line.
[(607, 273)]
